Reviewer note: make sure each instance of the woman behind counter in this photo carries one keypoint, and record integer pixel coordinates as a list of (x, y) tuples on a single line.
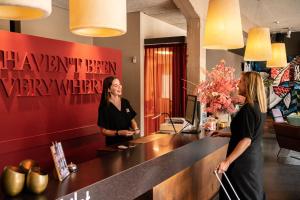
[(244, 161), (115, 115)]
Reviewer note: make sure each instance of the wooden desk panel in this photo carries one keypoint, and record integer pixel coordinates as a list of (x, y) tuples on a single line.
[(194, 183)]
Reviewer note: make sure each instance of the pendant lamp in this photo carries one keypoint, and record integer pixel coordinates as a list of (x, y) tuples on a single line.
[(25, 9), (223, 28), (100, 18), (278, 56), (258, 46)]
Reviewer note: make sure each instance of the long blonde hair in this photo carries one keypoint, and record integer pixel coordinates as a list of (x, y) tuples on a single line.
[(255, 90)]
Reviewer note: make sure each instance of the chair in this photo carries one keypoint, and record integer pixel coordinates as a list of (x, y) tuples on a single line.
[(288, 136)]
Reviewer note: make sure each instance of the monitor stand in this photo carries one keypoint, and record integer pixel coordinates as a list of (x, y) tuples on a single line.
[(191, 131)]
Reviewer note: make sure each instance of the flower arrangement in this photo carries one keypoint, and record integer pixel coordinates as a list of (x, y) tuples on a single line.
[(219, 89)]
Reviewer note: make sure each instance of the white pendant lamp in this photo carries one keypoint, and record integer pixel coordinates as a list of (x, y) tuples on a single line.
[(223, 28), (25, 9), (100, 18), (258, 46), (278, 56)]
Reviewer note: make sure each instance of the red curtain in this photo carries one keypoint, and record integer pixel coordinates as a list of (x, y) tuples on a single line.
[(165, 70)]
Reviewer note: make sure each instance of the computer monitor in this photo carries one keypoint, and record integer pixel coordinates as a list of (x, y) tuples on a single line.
[(190, 109)]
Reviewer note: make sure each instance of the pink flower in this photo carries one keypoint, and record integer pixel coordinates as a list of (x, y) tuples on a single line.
[(218, 91)]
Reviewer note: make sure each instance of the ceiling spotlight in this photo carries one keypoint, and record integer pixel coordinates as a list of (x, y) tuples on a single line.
[(289, 33)]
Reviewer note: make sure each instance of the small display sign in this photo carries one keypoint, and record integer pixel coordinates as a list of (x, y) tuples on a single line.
[(59, 161)]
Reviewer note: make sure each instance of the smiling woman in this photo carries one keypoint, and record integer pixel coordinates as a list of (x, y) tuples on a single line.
[(115, 115)]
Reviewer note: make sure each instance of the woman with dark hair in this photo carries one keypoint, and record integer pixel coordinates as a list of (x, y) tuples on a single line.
[(115, 115), (244, 161)]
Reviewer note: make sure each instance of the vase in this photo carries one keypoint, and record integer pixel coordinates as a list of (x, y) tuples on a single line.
[(224, 119)]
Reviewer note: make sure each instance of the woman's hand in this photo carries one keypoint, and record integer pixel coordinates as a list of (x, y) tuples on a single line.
[(137, 131), (126, 132), (237, 151), (238, 99), (223, 166)]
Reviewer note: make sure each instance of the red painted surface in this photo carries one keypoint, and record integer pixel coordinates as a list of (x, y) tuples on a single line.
[(36, 109)]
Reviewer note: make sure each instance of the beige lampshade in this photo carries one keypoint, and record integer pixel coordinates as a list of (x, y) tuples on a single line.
[(100, 18), (223, 28), (258, 46), (278, 56), (25, 9)]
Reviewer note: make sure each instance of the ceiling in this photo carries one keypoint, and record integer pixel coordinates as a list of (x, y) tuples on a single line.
[(258, 12), (266, 12), (164, 10)]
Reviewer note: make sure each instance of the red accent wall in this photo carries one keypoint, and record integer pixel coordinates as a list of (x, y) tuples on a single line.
[(50, 91)]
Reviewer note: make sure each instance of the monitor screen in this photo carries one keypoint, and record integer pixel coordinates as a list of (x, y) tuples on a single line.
[(190, 108)]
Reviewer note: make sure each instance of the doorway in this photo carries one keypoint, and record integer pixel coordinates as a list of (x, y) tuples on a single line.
[(165, 85)]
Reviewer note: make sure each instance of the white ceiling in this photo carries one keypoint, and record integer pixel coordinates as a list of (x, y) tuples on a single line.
[(164, 10), (259, 12), (265, 12)]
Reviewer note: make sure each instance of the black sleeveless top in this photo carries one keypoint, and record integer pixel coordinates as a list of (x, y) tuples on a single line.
[(111, 118)]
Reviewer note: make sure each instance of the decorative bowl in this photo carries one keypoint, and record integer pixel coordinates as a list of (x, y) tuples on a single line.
[(36, 181), (13, 180)]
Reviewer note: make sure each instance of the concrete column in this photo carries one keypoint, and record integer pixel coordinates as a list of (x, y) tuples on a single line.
[(193, 52), (195, 13)]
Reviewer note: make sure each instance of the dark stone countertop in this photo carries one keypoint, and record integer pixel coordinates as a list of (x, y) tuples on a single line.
[(129, 173)]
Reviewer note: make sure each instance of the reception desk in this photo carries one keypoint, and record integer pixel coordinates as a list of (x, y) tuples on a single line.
[(160, 166)]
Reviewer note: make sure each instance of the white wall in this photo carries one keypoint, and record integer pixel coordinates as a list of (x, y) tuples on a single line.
[(56, 26), (213, 57), (154, 28), (4, 25)]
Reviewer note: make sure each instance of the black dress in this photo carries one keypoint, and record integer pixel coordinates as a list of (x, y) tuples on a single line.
[(111, 118), (246, 172)]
